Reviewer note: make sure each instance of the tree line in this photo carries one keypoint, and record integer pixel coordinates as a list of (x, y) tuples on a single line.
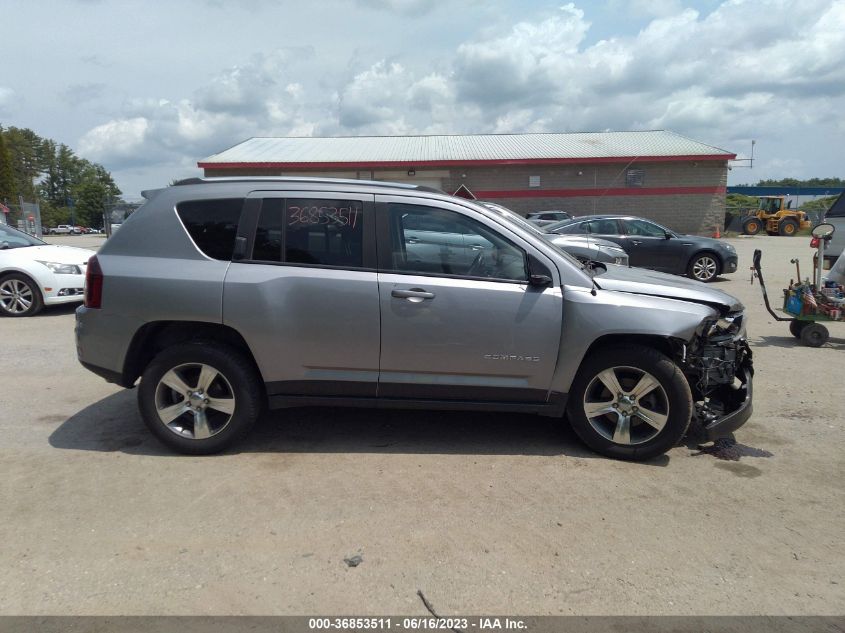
[(64, 184), (795, 182)]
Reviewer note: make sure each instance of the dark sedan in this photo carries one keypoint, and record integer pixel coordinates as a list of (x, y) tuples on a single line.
[(650, 245)]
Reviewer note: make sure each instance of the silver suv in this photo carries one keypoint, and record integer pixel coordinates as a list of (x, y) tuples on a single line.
[(228, 295)]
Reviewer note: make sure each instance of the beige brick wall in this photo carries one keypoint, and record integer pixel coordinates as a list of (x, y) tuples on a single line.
[(687, 213)]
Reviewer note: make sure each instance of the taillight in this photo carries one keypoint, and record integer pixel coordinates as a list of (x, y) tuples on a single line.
[(93, 284)]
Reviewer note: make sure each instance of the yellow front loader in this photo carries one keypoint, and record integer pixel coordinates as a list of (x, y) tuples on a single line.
[(774, 216)]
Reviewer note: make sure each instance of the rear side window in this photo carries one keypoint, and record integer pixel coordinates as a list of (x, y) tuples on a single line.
[(602, 227), (310, 231), (212, 224)]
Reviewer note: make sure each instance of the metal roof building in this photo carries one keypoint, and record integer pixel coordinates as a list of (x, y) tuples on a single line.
[(658, 174)]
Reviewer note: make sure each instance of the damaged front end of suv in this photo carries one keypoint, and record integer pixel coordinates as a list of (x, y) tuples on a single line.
[(718, 365)]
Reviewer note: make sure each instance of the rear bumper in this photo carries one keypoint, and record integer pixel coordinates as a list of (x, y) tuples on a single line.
[(102, 339), (742, 408), (114, 377)]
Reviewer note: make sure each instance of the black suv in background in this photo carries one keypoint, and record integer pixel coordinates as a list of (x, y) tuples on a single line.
[(650, 245)]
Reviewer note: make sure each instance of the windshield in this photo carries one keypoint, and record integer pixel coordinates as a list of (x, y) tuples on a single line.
[(12, 238), (515, 218), (551, 228)]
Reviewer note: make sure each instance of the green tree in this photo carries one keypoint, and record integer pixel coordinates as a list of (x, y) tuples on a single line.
[(795, 182), (7, 172), (819, 206), (24, 146), (90, 196), (39, 168)]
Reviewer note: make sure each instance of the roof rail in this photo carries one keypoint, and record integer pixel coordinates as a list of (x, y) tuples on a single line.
[(343, 181)]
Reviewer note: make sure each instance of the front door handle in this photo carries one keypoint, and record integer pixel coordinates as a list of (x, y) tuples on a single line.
[(636, 242), (414, 295)]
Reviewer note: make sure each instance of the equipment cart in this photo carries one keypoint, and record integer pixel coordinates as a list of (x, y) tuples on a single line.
[(808, 304)]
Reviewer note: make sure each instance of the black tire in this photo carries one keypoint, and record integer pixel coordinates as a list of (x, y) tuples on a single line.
[(16, 289), (795, 327), (629, 364), (814, 335), (752, 226), (788, 227), (704, 267), (239, 389)]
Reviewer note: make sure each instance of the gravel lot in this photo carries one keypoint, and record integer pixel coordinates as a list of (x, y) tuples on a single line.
[(483, 513)]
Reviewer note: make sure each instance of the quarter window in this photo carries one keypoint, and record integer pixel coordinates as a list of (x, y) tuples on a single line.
[(212, 224), (427, 240)]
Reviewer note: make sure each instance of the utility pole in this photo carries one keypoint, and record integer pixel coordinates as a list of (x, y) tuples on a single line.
[(70, 204)]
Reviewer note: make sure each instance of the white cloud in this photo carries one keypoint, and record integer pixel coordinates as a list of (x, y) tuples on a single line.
[(745, 70), (532, 58), (114, 140), (372, 97)]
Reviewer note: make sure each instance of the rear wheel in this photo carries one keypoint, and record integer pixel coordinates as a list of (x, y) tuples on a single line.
[(704, 267), (752, 226), (814, 335), (199, 399), (788, 227), (20, 296), (795, 327), (630, 402)]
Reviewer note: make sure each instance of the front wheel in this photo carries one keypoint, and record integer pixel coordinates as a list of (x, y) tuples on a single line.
[(199, 399), (630, 402), (19, 296), (704, 267), (752, 227), (788, 227)]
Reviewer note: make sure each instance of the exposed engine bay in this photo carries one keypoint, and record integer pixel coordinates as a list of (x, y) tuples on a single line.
[(718, 366)]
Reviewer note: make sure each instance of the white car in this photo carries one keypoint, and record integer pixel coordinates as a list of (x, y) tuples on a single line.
[(34, 274)]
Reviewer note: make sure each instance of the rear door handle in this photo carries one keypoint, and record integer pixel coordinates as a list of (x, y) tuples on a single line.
[(414, 295), (636, 242)]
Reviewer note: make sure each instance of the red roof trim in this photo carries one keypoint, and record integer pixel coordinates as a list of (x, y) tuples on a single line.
[(591, 193), (466, 163)]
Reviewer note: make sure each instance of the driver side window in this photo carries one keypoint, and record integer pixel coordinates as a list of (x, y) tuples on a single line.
[(428, 240)]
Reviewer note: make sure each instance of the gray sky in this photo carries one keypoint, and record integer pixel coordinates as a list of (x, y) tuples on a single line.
[(147, 88)]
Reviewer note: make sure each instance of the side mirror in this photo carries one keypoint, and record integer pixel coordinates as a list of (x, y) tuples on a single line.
[(539, 281), (823, 231), (668, 235), (539, 275)]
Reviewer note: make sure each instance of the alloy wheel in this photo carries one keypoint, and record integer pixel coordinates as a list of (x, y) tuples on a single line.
[(15, 296), (195, 401), (704, 268), (626, 405)]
